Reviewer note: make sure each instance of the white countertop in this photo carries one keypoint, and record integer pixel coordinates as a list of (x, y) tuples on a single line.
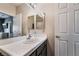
[(20, 47)]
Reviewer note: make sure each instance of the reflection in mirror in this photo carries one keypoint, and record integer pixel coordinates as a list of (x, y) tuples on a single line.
[(39, 22), (31, 22), (10, 26), (17, 25), (6, 26), (36, 23)]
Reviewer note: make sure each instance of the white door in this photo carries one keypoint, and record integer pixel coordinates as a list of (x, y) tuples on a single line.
[(67, 30)]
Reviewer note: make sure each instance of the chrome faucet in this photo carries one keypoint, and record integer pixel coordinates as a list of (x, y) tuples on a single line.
[(29, 36)]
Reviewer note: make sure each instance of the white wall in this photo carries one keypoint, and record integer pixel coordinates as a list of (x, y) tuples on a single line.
[(26, 11), (49, 9)]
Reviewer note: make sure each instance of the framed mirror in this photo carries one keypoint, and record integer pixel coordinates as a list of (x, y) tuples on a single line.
[(36, 23)]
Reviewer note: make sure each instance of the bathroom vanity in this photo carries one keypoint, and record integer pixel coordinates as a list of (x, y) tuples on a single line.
[(20, 46), (41, 50)]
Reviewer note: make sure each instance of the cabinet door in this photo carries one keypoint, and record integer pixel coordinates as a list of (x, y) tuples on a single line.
[(34, 53), (1, 54), (44, 51), (41, 50)]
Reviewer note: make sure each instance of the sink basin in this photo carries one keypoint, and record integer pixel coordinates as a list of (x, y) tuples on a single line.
[(11, 40), (30, 41)]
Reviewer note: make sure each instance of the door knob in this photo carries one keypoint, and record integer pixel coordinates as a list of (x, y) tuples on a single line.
[(57, 36)]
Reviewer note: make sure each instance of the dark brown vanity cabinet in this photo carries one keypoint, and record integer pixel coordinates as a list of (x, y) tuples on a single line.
[(41, 50)]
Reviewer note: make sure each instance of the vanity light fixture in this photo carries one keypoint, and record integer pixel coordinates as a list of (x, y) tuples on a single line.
[(32, 5)]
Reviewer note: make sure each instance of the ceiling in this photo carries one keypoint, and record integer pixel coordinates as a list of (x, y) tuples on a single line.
[(16, 4), (13, 4)]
